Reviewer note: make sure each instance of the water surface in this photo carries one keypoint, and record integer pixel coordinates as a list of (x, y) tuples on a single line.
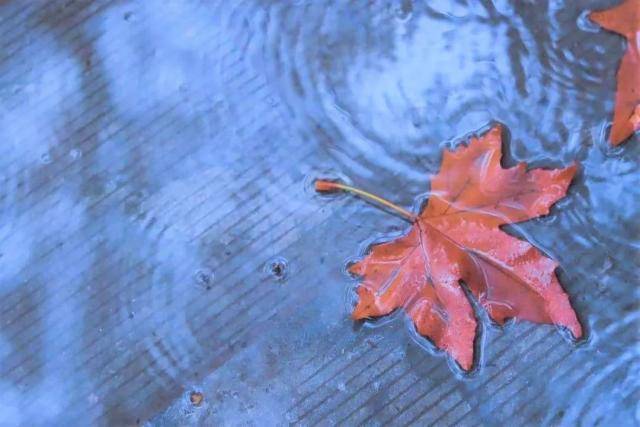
[(156, 163)]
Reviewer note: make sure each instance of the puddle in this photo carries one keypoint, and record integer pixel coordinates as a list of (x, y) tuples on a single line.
[(146, 148)]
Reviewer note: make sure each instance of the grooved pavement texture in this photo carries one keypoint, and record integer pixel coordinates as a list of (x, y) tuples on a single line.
[(152, 169)]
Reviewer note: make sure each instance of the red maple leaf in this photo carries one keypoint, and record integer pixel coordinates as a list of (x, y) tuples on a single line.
[(457, 238), (624, 19)]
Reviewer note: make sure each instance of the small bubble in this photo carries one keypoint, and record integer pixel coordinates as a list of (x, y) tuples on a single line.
[(45, 158), (196, 398)]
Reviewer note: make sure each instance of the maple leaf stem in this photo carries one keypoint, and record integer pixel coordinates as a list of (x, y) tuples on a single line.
[(323, 186)]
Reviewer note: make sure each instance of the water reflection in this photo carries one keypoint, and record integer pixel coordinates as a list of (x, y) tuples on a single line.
[(144, 142)]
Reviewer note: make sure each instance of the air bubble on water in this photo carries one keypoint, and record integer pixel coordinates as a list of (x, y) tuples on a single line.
[(342, 387), (45, 158)]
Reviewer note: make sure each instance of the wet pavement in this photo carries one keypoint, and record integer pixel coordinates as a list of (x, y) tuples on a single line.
[(165, 261)]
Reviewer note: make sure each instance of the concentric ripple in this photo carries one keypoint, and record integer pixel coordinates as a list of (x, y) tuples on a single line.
[(156, 156)]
